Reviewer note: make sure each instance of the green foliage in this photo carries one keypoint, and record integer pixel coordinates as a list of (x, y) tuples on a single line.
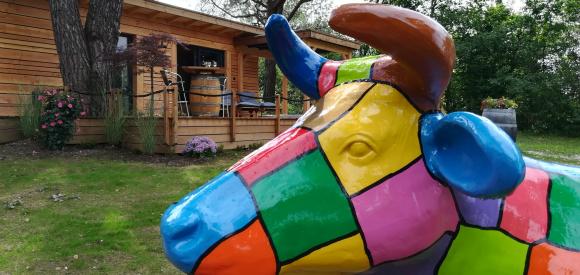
[(498, 103), (29, 112), (146, 126), (57, 119), (115, 120)]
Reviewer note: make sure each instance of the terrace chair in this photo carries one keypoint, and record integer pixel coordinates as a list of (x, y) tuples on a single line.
[(248, 102), (226, 100), (168, 77)]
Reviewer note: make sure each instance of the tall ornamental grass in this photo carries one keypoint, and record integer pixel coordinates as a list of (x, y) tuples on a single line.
[(29, 111), (146, 124), (115, 119)]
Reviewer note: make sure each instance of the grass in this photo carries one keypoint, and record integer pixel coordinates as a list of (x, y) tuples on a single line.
[(108, 221), (550, 148)]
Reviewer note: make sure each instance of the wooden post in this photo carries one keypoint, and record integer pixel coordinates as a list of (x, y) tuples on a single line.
[(305, 104), (139, 85), (284, 95), (166, 125), (234, 96), (175, 117), (277, 123)]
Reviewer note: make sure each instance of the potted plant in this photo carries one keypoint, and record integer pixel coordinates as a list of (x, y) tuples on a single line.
[(502, 111)]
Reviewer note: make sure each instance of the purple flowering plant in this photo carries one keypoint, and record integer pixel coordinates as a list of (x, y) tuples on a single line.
[(200, 146), (57, 118)]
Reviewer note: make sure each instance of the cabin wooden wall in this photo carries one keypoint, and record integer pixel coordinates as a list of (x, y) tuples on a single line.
[(28, 53), (9, 130)]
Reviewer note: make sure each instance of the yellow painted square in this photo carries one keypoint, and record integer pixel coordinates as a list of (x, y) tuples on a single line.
[(378, 137), (344, 256), (334, 103)]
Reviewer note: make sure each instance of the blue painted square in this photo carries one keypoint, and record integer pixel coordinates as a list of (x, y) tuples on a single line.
[(203, 217)]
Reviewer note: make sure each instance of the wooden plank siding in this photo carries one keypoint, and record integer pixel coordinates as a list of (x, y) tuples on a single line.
[(28, 53), (248, 131), (10, 130)]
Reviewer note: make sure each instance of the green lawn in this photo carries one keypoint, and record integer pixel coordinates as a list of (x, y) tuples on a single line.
[(550, 148), (108, 221)]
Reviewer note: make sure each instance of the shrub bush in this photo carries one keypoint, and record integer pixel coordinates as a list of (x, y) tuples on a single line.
[(200, 146), (59, 112)]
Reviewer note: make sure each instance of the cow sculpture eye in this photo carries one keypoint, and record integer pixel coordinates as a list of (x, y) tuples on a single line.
[(360, 150)]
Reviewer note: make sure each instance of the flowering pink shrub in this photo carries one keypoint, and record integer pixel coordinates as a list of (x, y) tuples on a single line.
[(200, 146), (59, 112)]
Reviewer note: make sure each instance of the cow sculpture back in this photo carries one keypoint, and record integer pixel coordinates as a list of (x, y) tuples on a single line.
[(375, 178)]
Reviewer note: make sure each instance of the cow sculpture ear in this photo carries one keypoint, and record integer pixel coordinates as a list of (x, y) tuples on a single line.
[(471, 154)]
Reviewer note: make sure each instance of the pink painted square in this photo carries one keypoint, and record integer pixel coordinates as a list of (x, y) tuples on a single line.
[(277, 152), (405, 214), (327, 76), (525, 211)]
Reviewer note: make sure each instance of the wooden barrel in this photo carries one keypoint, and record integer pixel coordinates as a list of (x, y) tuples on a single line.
[(504, 119), (204, 105)]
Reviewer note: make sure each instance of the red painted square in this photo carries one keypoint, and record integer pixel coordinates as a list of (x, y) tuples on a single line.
[(327, 76), (550, 260), (246, 252), (525, 211), (277, 152)]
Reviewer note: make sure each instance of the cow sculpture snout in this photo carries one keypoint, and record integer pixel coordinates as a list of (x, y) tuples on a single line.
[(201, 219)]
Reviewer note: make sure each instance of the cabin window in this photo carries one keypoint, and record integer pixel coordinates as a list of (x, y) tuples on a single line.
[(123, 75), (196, 56)]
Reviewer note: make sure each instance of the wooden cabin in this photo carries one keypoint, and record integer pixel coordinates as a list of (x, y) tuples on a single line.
[(226, 50)]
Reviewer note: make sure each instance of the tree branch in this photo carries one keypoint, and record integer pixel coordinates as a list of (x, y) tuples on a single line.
[(295, 9), (233, 15), (258, 2)]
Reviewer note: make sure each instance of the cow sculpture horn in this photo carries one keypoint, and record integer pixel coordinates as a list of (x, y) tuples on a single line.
[(423, 53), (296, 60)]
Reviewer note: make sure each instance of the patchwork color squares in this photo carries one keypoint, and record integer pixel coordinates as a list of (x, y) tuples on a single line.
[(246, 252), (343, 256), (525, 211), (547, 259), (565, 212), (483, 251), (205, 214), (277, 152), (388, 214), (423, 263), (303, 206), (365, 125)]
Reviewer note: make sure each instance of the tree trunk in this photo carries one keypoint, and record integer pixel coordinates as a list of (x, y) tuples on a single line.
[(102, 34), (70, 44), (270, 80), (85, 55)]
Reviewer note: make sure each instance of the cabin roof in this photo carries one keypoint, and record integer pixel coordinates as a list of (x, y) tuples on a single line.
[(243, 34)]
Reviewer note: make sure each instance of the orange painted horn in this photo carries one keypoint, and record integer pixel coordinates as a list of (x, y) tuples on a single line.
[(422, 51)]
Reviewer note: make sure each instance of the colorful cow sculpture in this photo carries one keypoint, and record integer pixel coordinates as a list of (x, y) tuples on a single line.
[(375, 179)]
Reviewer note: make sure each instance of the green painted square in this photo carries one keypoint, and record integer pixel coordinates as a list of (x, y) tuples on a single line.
[(303, 206), (354, 69), (482, 251), (565, 211)]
